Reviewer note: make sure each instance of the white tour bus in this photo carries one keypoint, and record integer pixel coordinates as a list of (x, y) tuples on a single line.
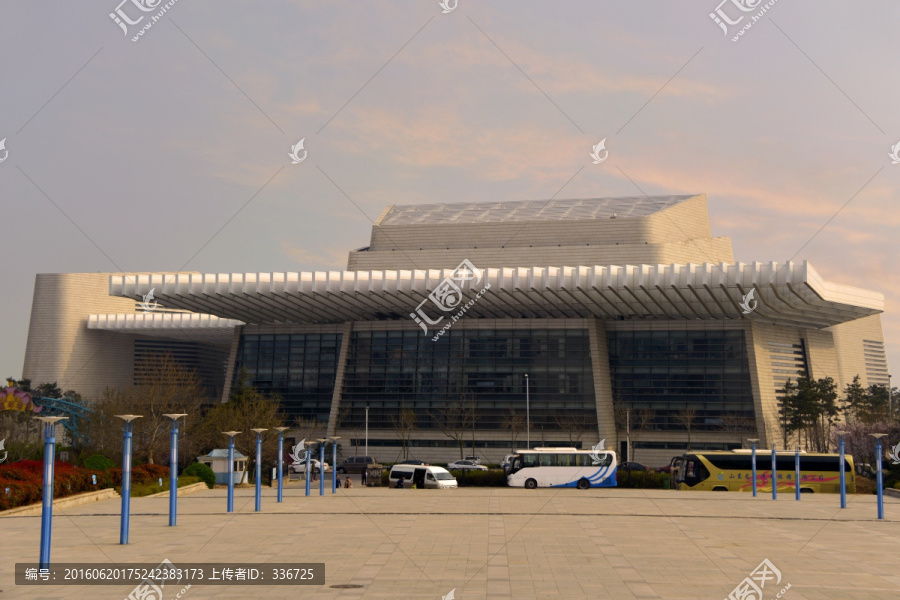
[(562, 467)]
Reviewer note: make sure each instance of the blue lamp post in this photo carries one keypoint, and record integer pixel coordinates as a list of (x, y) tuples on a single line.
[(173, 469), (879, 484), (797, 474), (334, 463), (47, 507), (322, 466), (126, 477), (774, 474), (259, 433), (841, 435), (753, 442), (280, 431), (231, 435), (307, 472)]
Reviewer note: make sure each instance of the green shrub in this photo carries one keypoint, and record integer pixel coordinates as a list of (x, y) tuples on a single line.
[(648, 480), (98, 462), (479, 478), (203, 471)]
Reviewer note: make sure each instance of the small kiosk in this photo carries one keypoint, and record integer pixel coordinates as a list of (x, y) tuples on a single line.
[(217, 460)]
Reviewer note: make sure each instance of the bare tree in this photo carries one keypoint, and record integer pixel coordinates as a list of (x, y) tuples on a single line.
[(739, 426), (454, 420), (685, 417), (515, 424), (163, 386), (573, 424), (405, 424)]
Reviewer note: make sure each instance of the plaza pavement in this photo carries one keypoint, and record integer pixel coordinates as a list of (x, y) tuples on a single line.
[(496, 543)]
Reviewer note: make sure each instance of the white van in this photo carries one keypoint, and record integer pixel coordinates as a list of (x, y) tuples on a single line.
[(423, 476)]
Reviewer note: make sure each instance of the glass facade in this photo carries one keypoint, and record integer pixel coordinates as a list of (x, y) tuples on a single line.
[(485, 369), (299, 367), (670, 371)]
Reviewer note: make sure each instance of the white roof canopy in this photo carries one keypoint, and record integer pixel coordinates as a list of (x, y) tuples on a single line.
[(787, 294)]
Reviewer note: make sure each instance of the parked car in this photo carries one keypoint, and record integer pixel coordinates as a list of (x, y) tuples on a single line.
[(475, 460), (413, 461), (423, 476), (357, 464), (634, 466), (313, 465), (465, 465)]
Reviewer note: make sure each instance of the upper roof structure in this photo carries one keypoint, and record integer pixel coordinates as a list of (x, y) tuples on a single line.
[(529, 210)]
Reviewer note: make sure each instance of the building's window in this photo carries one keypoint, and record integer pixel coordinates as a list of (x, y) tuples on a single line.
[(668, 372), (484, 369), (298, 368)]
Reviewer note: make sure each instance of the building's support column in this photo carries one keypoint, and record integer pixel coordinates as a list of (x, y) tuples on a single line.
[(346, 332), (232, 360), (606, 418)]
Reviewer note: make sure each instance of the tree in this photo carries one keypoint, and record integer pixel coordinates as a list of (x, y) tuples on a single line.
[(163, 387), (404, 424), (685, 417), (854, 399), (454, 420), (574, 424), (245, 410), (740, 426), (515, 424)]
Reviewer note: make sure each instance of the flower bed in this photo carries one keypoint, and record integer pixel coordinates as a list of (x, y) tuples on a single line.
[(21, 482)]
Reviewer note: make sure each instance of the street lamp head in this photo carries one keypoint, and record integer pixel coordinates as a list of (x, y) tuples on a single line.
[(334, 438), (281, 429), (231, 433), (841, 433), (51, 420), (129, 418), (257, 430), (878, 436), (323, 440), (175, 416), (753, 440)]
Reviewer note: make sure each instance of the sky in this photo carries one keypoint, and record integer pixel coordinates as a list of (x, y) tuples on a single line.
[(172, 152)]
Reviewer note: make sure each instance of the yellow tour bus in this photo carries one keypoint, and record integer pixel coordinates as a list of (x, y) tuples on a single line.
[(732, 472)]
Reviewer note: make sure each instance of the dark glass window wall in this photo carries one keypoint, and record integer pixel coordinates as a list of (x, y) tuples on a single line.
[(300, 368), (670, 371), (395, 370)]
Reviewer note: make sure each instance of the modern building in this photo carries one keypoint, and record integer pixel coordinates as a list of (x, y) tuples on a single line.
[(593, 319)]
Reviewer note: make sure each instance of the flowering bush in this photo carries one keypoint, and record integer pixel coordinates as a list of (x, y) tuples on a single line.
[(21, 482)]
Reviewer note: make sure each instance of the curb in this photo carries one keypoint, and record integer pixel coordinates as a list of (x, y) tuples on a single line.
[(188, 489), (68, 501), (892, 492)]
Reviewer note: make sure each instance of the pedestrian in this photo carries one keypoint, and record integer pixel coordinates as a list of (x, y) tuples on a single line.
[(365, 476), (400, 483), (338, 480), (348, 483)]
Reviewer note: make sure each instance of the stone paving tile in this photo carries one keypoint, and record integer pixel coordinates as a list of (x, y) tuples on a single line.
[(487, 543)]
